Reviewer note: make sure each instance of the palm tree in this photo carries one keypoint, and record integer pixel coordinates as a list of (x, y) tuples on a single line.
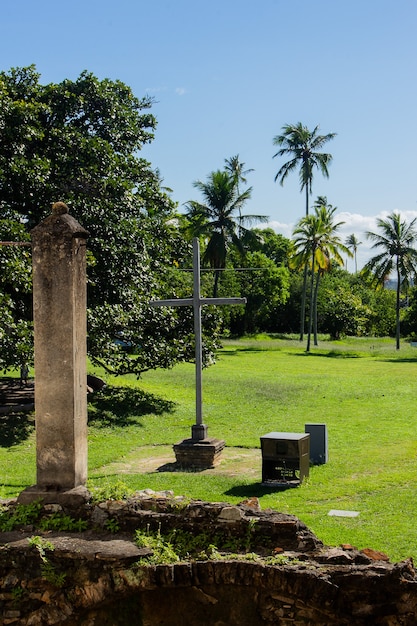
[(235, 168), (303, 146), (330, 248), (353, 243), (396, 240), (307, 234), (317, 244), (216, 219)]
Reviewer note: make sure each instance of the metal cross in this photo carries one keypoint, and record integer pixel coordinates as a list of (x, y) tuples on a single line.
[(199, 430)]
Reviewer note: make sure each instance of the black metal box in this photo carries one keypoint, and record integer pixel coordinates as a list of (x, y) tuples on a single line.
[(319, 453), (285, 457)]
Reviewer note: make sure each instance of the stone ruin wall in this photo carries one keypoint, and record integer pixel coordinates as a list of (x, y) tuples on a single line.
[(105, 586)]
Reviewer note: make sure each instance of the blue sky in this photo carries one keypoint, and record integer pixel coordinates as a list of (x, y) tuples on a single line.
[(226, 75)]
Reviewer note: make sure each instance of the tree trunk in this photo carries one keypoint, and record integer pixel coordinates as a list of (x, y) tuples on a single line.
[(303, 304), (310, 321), (216, 282), (307, 194), (304, 293), (397, 328), (316, 290)]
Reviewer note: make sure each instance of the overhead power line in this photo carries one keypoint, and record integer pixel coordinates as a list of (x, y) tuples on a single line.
[(15, 243), (226, 269)]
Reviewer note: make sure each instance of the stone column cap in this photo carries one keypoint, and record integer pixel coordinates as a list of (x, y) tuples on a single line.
[(60, 222)]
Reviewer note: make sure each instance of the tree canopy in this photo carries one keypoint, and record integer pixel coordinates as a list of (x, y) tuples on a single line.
[(219, 218), (79, 142), (396, 240), (317, 243), (303, 147)]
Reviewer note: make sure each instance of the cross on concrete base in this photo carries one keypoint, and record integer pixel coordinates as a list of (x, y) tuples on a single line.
[(199, 429)]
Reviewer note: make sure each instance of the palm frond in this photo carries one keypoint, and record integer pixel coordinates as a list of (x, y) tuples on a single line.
[(297, 140)]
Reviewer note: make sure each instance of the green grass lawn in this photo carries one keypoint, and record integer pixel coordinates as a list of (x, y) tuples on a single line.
[(363, 390)]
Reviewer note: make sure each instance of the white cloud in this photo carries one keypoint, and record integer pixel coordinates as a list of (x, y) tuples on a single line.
[(155, 89), (279, 227), (180, 91), (354, 223)]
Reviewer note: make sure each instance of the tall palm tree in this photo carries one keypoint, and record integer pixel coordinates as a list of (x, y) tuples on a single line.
[(330, 248), (396, 240), (303, 146), (317, 244), (353, 243), (307, 235), (216, 218), (235, 167)]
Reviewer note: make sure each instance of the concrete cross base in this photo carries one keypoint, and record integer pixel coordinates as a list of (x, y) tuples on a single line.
[(71, 499), (201, 454), (198, 432)]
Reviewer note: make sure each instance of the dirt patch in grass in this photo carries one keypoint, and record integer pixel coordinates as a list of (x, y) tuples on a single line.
[(150, 459)]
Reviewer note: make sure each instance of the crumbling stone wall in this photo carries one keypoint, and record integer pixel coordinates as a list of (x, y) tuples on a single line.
[(100, 580)]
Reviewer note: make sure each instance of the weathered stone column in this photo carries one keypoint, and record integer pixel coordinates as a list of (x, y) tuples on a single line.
[(59, 303)]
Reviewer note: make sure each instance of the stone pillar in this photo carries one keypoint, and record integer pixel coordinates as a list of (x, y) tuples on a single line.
[(59, 306)]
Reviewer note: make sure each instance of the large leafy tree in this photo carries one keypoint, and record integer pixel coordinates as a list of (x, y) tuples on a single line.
[(409, 321), (263, 283), (396, 240), (347, 304), (219, 219), (15, 292), (342, 310), (274, 245), (79, 142), (303, 146)]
